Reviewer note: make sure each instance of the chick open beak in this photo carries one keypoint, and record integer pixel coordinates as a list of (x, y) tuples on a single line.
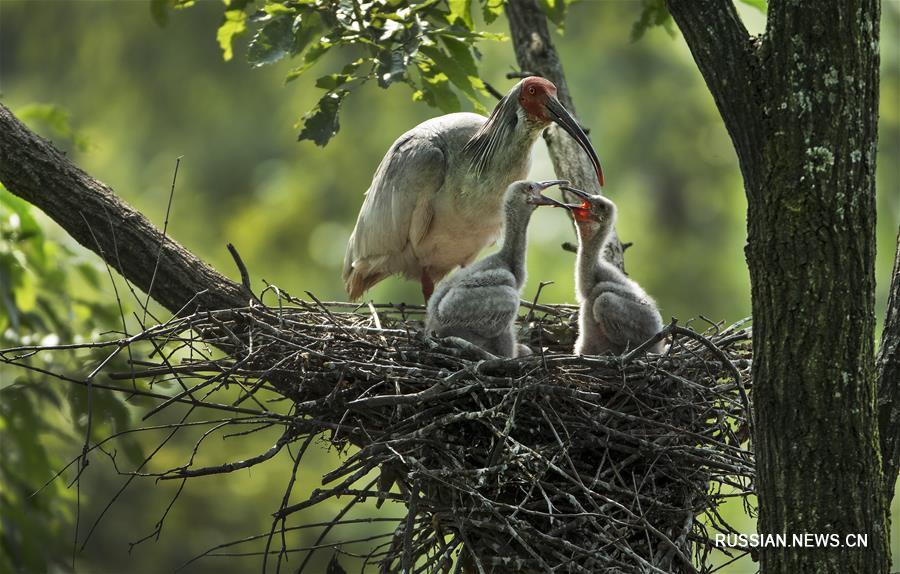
[(538, 198), (561, 116), (576, 192)]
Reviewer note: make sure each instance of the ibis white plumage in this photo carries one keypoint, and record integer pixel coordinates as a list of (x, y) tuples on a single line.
[(436, 198)]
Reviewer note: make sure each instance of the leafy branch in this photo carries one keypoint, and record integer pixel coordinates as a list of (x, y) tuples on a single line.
[(427, 45)]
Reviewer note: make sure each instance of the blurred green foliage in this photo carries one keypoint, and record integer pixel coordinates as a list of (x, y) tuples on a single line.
[(138, 95), (46, 299)]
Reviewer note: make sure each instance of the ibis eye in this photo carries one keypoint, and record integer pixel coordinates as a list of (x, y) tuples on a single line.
[(531, 90)]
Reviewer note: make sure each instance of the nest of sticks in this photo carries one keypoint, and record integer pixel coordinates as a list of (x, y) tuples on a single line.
[(545, 463)]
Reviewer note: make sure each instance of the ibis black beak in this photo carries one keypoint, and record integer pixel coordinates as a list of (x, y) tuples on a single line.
[(540, 199), (561, 116)]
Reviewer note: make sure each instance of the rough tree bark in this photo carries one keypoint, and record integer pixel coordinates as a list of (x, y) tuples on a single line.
[(31, 168), (801, 105), (888, 382), (536, 54)]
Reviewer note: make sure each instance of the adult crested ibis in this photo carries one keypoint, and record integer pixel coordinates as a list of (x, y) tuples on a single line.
[(615, 312), (435, 199), (480, 303)]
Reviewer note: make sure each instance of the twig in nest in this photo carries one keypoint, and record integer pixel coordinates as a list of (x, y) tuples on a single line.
[(245, 275)]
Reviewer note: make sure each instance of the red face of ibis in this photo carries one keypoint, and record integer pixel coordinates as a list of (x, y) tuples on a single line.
[(534, 96)]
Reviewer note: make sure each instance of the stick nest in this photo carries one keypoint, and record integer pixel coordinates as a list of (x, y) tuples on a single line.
[(545, 463)]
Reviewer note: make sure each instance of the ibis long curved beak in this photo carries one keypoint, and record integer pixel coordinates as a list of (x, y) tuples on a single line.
[(561, 116), (540, 199)]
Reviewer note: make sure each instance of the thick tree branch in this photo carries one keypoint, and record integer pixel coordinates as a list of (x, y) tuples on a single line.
[(536, 54), (31, 168), (888, 382), (726, 56)]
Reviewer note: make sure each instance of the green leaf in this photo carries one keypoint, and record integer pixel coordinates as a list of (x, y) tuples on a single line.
[(653, 14), (159, 9), (461, 54), (460, 12), (761, 5), (234, 25), (273, 42), (335, 81), (457, 74), (321, 123), (306, 28), (491, 10), (555, 11), (436, 92), (390, 67), (276, 9)]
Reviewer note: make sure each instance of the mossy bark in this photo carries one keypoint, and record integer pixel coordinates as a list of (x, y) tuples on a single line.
[(801, 104)]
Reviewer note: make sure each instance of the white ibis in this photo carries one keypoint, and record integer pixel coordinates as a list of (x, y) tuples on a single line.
[(616, 313), (480, 303), (435, 200)]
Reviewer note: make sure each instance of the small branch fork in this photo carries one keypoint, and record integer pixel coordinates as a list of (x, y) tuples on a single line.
[(545, 463)]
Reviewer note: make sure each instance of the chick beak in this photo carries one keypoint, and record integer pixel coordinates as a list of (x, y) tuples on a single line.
[(581, 194), (538, 198), (561, 116)]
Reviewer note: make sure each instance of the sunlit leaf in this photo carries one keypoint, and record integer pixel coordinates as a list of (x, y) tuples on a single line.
[(460, 12), (234, 25), (436, 92), (761, 5), (272, 42), (306, 28), (491, 9), (555, 11), (274, 9)]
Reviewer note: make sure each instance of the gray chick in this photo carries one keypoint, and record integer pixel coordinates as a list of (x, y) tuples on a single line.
[(616, 313), (480, 302)]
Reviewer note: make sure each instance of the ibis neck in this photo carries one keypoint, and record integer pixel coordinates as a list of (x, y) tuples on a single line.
[(503, 144), (590, 267), (515, 241)]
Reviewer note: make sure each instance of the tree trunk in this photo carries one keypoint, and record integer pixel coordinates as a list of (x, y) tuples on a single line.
[(802, 107), (536, 54)]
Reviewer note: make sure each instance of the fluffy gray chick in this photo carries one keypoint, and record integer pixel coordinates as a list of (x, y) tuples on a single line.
[(616, 313), (480, 302)]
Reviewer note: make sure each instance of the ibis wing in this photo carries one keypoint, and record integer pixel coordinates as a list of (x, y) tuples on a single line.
[(397, 208)]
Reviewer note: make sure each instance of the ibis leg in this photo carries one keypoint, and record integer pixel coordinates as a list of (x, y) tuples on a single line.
[(427, 286)]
